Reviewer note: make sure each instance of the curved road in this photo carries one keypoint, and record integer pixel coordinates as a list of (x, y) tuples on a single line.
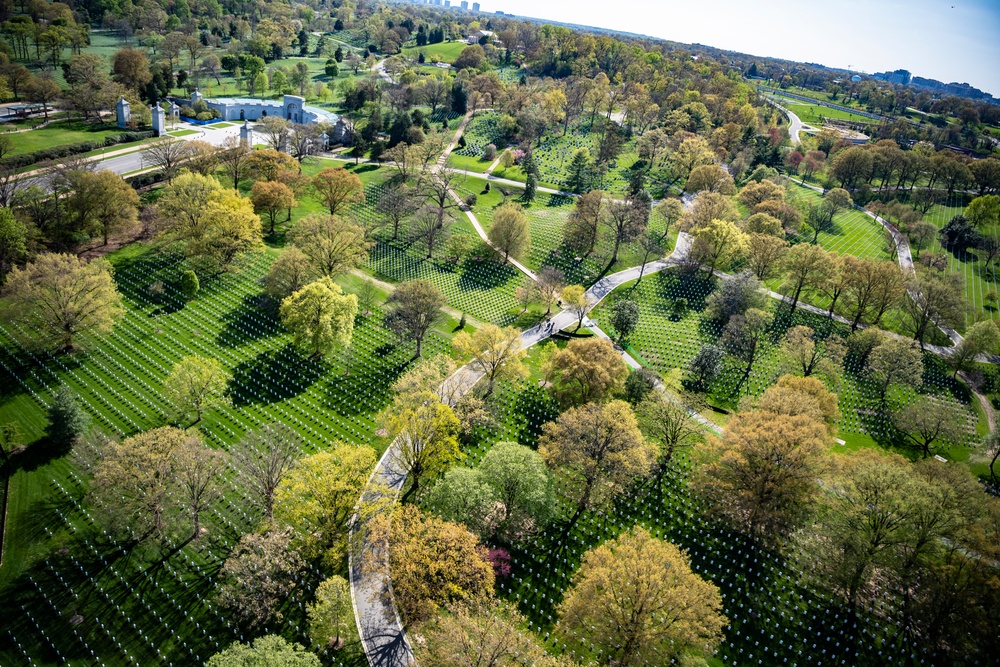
[(382, 634)]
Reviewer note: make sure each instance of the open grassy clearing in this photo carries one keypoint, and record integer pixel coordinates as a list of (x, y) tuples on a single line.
[(816, 114), (854, 232), (60, 133), (446, 52)]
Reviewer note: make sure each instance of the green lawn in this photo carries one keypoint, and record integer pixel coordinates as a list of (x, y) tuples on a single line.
[(446, 52), (815, 114), (59, 133), (182, 133)]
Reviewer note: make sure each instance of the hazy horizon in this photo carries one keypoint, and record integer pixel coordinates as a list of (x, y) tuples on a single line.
[(948, 40)]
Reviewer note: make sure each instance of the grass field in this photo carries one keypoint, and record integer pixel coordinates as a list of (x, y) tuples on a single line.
[(445, 52), (59, 133), (815, 114), (775, 617), (853, 232), (119, 381)]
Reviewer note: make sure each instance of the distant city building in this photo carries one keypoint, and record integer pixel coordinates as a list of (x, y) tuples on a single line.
[(447, 3), (475, 6), (900, 76), (499, 13), (465, 4)]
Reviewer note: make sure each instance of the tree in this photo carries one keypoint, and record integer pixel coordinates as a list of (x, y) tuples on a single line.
[(927, 423), (432, 562), (102, 203), (624, 317), (586, 370), (258, 576), (596, 449), (710, 178), (320, 317), (67, 418), (494, 352), (981, 337), (744, 337), (266, 651), (13, 242), (584, 221), (130, 68), (579, 171), (262, 457), (551, 282), (196, 384), (638, 600), (235, 158), (336, 187), (317, 497), (871, 287), (271, 197), (521, 483), (189, 286), (984, 211), (765, 253), (718, 242), (334, 245), (212, 226), (134, 480), (168, 156), (395, 205), (895, 361), (933, 299), (626, 221), (413, 308), (43, 90), (574, 299), (292, 271), (464, 495), (851, 166), (510, 232), (666, 420), (760, 476), (198, 471), (479, 630), (806, 266), (706, 365), (331, 616), (795, 396), (426, 431), (810, 354), (471, 57), (920, 234), (735, 297), (58, 297)]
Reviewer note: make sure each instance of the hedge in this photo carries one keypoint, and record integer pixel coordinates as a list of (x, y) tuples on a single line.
[(140, 181), (57, 152)]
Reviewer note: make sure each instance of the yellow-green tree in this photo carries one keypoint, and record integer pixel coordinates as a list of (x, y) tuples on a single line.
[(318, 495), (210, 225), (574, 299), (494, 352), (425, 432), (331, 616), (432, 561), (478, 629), (133, 478), (58, 297), (718, 243), (510, 232), (761, 475), (271, 198), (336, 187), (596, 449), (587, 369), (320, 317), (334, 245), (638, 600), (103, 204), (196, 384)]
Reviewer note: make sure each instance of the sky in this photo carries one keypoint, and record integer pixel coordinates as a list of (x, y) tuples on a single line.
[(948, 40)]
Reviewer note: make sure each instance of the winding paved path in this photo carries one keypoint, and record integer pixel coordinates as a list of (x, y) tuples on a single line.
[(382, 634)]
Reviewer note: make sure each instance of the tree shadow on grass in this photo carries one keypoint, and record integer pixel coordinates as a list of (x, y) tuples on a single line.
[(250, 321), (484, 275), (273, 376)]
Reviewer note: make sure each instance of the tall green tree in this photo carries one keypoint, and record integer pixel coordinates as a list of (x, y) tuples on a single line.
[(320, 317)]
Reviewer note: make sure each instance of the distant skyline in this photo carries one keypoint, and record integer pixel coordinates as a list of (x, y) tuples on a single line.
[(948, 40)]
